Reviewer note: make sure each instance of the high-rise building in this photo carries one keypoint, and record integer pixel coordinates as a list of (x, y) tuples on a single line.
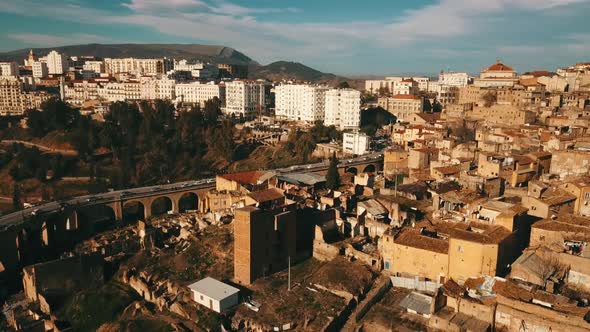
[(244, 97), (40, 69), (14, 100), (300, 102), (56, 63), (343, 108), (9, 69), (138, 66)]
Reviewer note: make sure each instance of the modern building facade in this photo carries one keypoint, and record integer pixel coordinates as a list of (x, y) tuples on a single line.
[(8, 69), (57, 64), (343, 108), (246, 98)]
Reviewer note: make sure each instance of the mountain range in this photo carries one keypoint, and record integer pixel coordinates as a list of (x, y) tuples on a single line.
[(280, 70)]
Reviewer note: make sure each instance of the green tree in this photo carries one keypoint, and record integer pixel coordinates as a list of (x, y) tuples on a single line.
[(333, 177), (437, 107), (427, 108)]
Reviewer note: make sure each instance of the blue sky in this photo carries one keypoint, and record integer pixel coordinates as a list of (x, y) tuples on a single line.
[(379, 37)]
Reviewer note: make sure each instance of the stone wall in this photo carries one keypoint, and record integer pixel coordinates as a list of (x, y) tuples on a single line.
[(570, 163)]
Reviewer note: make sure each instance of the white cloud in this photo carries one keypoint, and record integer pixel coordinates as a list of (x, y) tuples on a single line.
[(43, 40), (223, 22)]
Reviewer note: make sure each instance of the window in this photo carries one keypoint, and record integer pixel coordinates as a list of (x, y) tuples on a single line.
[(460, 248), (387, 265), (201, 297), (542, 237)]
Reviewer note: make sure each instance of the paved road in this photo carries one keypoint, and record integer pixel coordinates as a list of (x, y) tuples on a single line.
[(41, 147), (109, 197)]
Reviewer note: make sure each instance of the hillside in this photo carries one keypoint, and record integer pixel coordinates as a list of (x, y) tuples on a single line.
[(213, 53), (284, 70)]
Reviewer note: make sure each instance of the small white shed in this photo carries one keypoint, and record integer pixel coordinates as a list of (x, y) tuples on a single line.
[(214, 294)]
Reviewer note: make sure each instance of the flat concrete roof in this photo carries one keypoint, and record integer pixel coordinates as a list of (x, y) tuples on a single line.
[(213, 288)]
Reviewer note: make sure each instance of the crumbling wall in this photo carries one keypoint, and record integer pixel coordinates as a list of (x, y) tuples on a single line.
[(570, 163), (65, 276)]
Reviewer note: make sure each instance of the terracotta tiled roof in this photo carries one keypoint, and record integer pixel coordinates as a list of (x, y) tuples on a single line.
[(400, 96), (413, 239), (270, 194), (499, 67), (244, 177)]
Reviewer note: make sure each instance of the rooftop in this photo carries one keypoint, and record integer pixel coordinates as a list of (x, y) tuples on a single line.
[(498, 66), (213, 288), (254, 177)]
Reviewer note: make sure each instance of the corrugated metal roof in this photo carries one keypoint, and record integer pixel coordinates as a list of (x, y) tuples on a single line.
[(417, 302)]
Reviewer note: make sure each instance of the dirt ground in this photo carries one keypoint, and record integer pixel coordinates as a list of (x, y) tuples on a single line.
[(308, 307), (387, 315)]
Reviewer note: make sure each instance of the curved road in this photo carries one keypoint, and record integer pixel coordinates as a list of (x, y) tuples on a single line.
[(18, 217)]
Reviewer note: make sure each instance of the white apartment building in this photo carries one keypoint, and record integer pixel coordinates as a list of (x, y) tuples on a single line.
[(56, 63), (407, 86), (137, 66), (355, 143), (343, 108), (300, 102), (78, 92), (95, 66), (244, 97), (198, 93), (453, 79), (8, 69), (14, 100), (197, 70), (40, 69), (120, 91), (157, 88), (422, 82), (398, 85), (445, 94)]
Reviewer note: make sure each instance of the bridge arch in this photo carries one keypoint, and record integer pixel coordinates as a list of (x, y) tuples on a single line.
[(161, 205), (90, 219), (188, 201), (134, 210), (352, 170), (370, 169)]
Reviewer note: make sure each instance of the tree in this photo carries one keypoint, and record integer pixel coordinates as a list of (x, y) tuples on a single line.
[(427, 108), (437, 107), (343, 85), (16, 201), (333, 177)]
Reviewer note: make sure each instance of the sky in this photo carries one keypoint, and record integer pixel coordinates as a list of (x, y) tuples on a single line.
[(347, 37)]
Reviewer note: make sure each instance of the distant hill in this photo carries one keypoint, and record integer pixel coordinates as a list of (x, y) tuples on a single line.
[(211, 53), (284, 70)]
